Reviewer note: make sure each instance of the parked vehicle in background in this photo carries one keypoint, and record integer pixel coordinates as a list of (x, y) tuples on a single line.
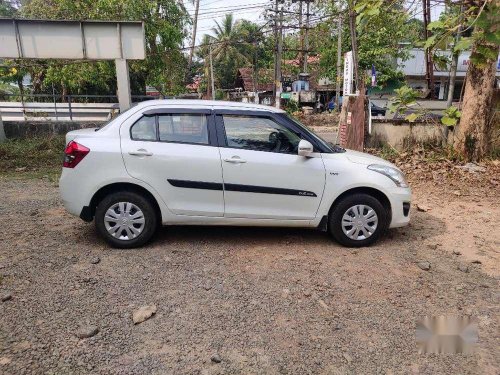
[(195, 162), (377, 110)]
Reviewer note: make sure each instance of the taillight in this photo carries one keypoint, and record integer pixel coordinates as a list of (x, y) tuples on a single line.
[(73, 154)]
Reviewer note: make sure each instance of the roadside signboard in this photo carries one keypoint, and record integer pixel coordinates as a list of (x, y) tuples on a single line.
[(348, 73)]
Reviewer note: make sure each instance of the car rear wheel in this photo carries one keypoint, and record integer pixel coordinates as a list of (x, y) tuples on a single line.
[(125, 219), (358, 220)]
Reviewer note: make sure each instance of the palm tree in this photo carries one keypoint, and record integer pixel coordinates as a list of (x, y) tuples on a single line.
[(227, 41), (232, 48)]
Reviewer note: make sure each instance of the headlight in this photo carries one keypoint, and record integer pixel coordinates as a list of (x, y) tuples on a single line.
[(393, 173)]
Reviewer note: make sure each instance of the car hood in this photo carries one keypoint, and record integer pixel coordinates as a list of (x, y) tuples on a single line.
[(365, 159)]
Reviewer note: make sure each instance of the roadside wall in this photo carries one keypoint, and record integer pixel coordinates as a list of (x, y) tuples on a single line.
[(400, 134), (26, 129)]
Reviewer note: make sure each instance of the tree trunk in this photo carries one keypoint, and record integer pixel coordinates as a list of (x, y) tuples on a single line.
[(472, 137), (453, 77), (451, 89)]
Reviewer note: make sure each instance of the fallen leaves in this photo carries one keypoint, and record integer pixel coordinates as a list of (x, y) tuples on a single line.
[(423, 166)]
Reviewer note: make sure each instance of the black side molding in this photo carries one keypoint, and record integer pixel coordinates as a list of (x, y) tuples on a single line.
[(195, 184), (268, 190), (239, 188)]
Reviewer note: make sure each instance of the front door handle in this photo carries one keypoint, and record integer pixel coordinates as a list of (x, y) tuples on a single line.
[(140, 152), (235, 160)]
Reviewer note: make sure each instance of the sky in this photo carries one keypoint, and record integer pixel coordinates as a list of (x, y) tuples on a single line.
[(214, 10), (211, 10)]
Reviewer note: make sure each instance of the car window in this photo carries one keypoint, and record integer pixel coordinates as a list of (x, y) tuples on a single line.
[(310, 132), (259, 134), (144, 129), (185, 128)]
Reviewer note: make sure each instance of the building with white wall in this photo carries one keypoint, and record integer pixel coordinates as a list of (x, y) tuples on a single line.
[(414, 71)]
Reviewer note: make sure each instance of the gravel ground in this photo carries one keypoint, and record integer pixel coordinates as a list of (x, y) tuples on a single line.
[(241, 300)]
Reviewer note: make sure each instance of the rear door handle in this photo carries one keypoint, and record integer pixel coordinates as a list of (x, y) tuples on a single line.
[(140, 152), (235, 160)]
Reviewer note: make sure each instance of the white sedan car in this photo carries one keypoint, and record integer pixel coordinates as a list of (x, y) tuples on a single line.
[(190, 162)]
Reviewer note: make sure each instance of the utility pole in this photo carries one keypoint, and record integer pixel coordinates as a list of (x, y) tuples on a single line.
[(195, 25), (255, 70), (354, 44), (278, 60), (306, 42), (301, 36), (212, 74), (339, 60), (3, 138)]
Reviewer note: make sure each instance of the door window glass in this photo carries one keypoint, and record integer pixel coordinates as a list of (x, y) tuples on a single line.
[(259, 134), (144, 129), (184, 128)]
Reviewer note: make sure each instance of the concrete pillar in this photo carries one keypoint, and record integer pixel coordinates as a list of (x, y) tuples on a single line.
[(3, 138), (123, 80), (442, 85)]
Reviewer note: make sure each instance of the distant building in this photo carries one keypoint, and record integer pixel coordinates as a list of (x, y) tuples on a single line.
[(253, 87), (414, 71)]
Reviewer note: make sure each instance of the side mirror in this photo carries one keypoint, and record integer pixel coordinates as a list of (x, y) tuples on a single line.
[(305, 148)]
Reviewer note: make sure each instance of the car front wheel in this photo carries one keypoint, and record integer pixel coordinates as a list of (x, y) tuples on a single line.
[(358, 220), (125, 219)]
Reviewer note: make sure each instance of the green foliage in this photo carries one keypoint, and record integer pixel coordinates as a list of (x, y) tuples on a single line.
[(366, 10), (235, 44), (441, 61), (7, 9), (291, 107), (463, 44), (388, 152), (164, 21), (412, 117), (382, 27), (484, 22), (451, 116), (32, 154), (404, 98)]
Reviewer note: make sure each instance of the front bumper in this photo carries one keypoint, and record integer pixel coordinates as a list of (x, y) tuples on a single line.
[(400, 199)]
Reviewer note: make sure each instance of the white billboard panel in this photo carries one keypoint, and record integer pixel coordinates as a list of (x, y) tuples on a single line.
[(60, 40), (348, 73), (92, 40), (101, 41), (8, 44)]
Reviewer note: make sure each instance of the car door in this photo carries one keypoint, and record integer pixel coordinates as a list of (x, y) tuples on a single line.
[(175, 151), (264, 177)]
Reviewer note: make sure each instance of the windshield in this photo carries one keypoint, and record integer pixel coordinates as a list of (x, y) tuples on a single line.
[(312, 133)]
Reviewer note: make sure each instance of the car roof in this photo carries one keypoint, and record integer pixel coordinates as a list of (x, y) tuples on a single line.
[(213, 104)]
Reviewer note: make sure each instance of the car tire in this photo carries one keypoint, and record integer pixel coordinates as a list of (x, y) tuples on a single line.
[(126, 219), (352, 229)]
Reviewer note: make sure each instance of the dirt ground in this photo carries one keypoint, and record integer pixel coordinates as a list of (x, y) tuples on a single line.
[(248, 300)]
